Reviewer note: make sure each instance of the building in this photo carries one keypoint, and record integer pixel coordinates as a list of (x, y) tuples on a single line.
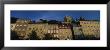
[(67, 19), (24, 28), (40, 29), (90, 28), (77, 30), (12, 26), (60, 30), (65, 31), (21, 28)]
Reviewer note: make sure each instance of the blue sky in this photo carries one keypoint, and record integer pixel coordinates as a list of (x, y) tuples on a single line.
[(56, 14)]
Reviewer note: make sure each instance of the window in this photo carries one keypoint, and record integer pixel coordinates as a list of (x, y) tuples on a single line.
[(60, 27), (55, 35), (41, 31), (88, 26), (24, 25), (84, 23), (52, 31), (56, 31), (17, 25), (48, 31), (20, 25)]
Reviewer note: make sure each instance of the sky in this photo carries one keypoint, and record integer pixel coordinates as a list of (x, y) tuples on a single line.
[(56, 14)]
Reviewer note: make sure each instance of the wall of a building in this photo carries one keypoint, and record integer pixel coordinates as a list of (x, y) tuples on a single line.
[(77, 30), (90, 27)]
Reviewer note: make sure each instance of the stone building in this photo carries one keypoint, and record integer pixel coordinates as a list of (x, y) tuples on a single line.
[(24, 28), (39, 28), (67, 19), (77, 30), (91, 28), (21, 28), (12, 26), (65, 31)]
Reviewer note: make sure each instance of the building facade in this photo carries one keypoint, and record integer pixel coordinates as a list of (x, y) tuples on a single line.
[(21, 28), (24, 28), (67, 19), (12, 26), (63, 31), (90, 28)]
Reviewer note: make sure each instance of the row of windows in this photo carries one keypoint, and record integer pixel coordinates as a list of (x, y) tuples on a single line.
[(12, 26), (89, 22), (64, 27), (53, 31), (21, 25), (91, 31), (51, 27), (59, 36), (91, 26), (56, 31), (92, 34), (20, 29)]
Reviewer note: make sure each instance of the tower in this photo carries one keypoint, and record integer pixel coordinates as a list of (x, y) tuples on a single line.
[(68, 19)]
